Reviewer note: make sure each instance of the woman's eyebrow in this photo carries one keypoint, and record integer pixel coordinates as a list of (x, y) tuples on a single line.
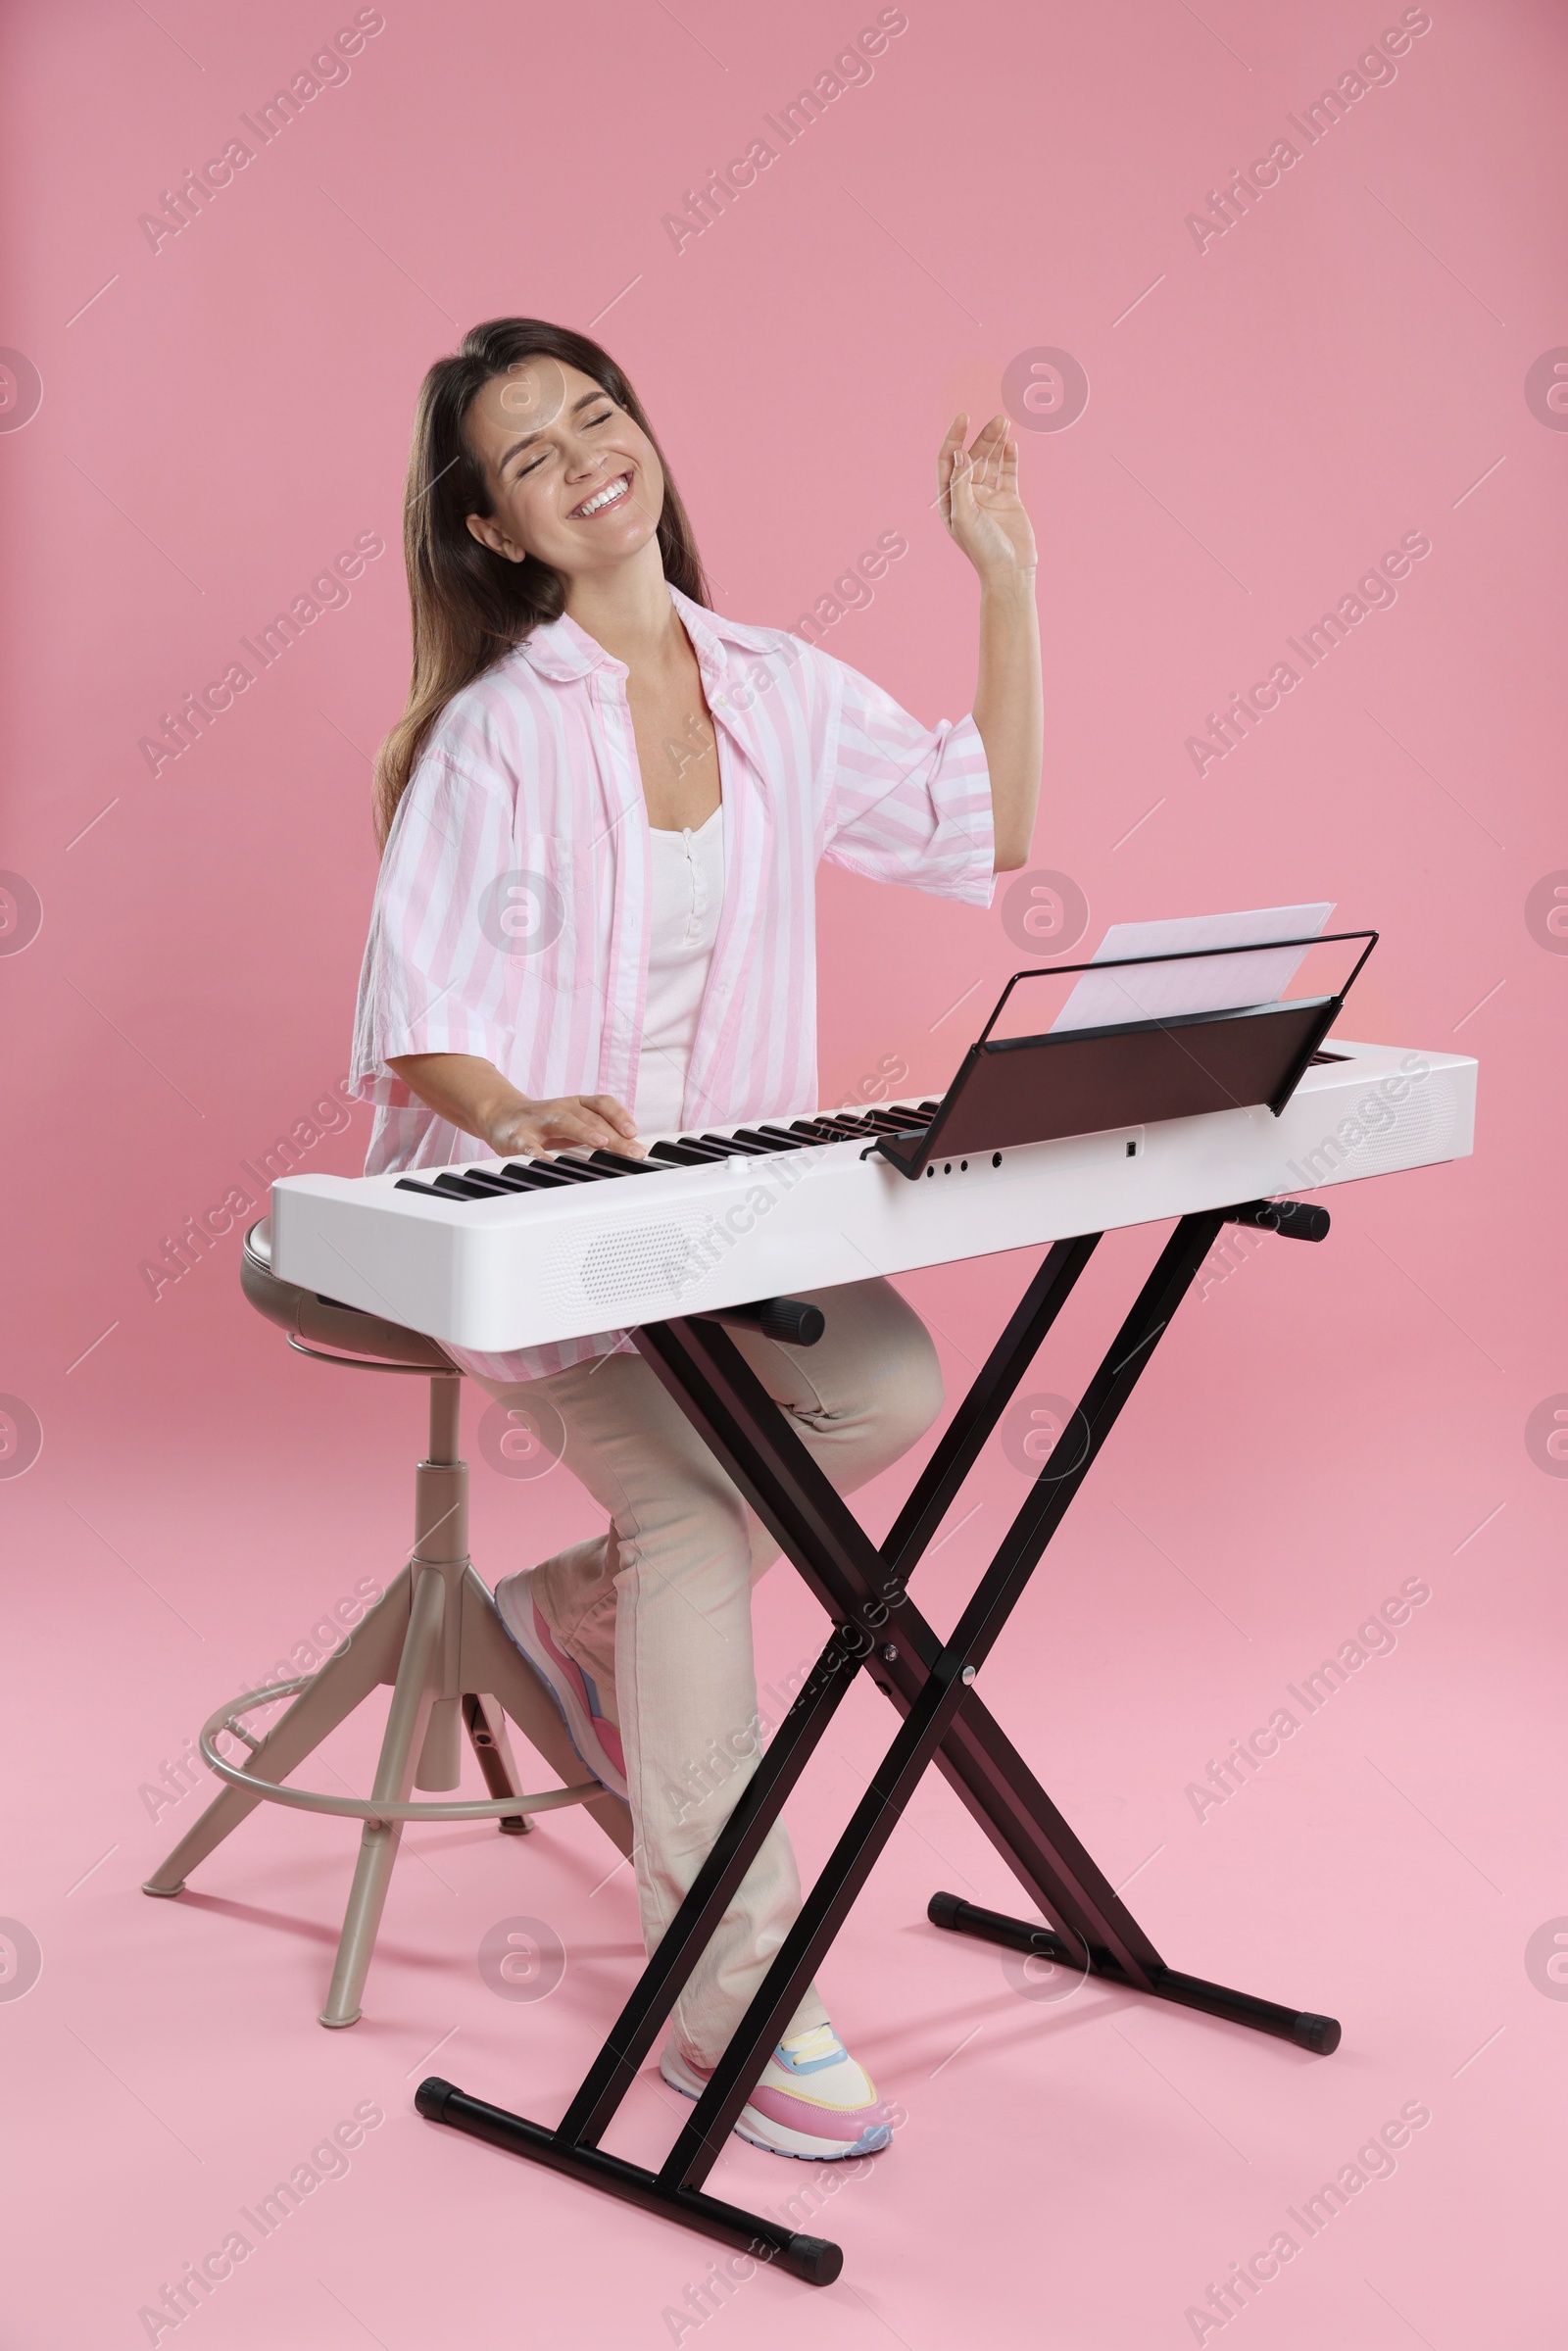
[(586, 401)]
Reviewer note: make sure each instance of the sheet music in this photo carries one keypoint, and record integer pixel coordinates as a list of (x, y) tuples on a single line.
[(1159, 991)]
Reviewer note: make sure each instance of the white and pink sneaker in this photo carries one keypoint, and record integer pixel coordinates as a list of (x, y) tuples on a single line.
[(575, 1693), (813, 2101)]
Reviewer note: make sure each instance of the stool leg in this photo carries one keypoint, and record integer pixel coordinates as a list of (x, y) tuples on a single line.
[(394, 1777), (369, 1656), (487, 1729)]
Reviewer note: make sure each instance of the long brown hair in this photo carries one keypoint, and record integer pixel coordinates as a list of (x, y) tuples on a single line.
[(469, 605)]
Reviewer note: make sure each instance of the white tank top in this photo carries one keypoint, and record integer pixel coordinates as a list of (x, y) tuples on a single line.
[(687, 893)]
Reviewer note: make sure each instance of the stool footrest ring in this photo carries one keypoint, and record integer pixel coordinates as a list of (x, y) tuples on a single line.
[(361, 1808)]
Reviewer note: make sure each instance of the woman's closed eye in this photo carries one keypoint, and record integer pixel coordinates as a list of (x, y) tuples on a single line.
[(533, 468)]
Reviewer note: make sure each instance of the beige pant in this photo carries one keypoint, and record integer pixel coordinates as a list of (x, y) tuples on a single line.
[(658, 1609)]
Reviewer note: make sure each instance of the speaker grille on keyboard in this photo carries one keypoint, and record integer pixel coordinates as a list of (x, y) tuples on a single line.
[(626, 1267), (1425, 1122)]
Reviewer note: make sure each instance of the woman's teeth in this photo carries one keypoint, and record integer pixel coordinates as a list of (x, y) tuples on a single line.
[(606, 497)]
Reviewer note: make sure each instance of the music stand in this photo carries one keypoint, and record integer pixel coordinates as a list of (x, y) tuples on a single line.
[(1035, 1089)]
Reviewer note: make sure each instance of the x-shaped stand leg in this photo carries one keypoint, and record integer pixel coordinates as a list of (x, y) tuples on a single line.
[(876, 1625)]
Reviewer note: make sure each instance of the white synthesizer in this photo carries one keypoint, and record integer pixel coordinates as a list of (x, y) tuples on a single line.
[(493, 1255)]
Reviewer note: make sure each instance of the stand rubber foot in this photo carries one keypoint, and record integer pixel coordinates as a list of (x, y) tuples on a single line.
[(1319, 2033), (811, 2259), (164, 1893)]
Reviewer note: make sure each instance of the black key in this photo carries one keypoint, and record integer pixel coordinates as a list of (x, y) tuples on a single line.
[(840, 1123), (513, 1179), (568, 1171), (928, 1110), (769, 1139), (409, 1184), (463, 1187), (712, 1147), (540, 1176), (578, 1164), (682, 1155), (617, 1163), (732, 1146), (816, 1130), (905, 1123), (703, 1148)]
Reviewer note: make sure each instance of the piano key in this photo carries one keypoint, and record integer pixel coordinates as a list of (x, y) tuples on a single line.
[(772, 1139), (518, 1179), (683, 1154), (733, 1146), (816, 1130), (688, 1150), (469, 1187), (617, 1163), (707, 1147), (581, 1164)]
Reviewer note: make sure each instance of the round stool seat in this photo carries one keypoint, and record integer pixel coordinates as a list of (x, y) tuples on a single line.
[(312, 1321)]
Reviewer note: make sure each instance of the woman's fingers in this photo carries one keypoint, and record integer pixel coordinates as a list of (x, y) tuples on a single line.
[(610, 1125), (960, 503), (584, 1122), (577, 1131), (950, 449), (989, 444), (615, 1114), (980, 470)]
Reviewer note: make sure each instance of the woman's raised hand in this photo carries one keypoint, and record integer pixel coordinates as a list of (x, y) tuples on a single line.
[(978, 490), (571, 1123)]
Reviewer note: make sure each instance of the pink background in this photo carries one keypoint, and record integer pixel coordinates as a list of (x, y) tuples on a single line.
[(1347, 364)]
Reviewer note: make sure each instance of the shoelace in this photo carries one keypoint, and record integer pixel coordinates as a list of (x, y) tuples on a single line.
[(818, 2045), (799, 2045)]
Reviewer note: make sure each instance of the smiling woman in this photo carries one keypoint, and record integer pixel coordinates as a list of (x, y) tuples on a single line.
[(603, 814), (474, 590)]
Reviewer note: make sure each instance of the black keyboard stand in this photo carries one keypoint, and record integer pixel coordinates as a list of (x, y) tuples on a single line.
[(878, 1629)]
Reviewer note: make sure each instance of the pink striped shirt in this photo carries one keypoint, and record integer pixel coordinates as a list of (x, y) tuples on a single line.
[(511, 916)]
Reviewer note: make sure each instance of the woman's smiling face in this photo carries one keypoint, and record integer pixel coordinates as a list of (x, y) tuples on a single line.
[(573, 480)]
